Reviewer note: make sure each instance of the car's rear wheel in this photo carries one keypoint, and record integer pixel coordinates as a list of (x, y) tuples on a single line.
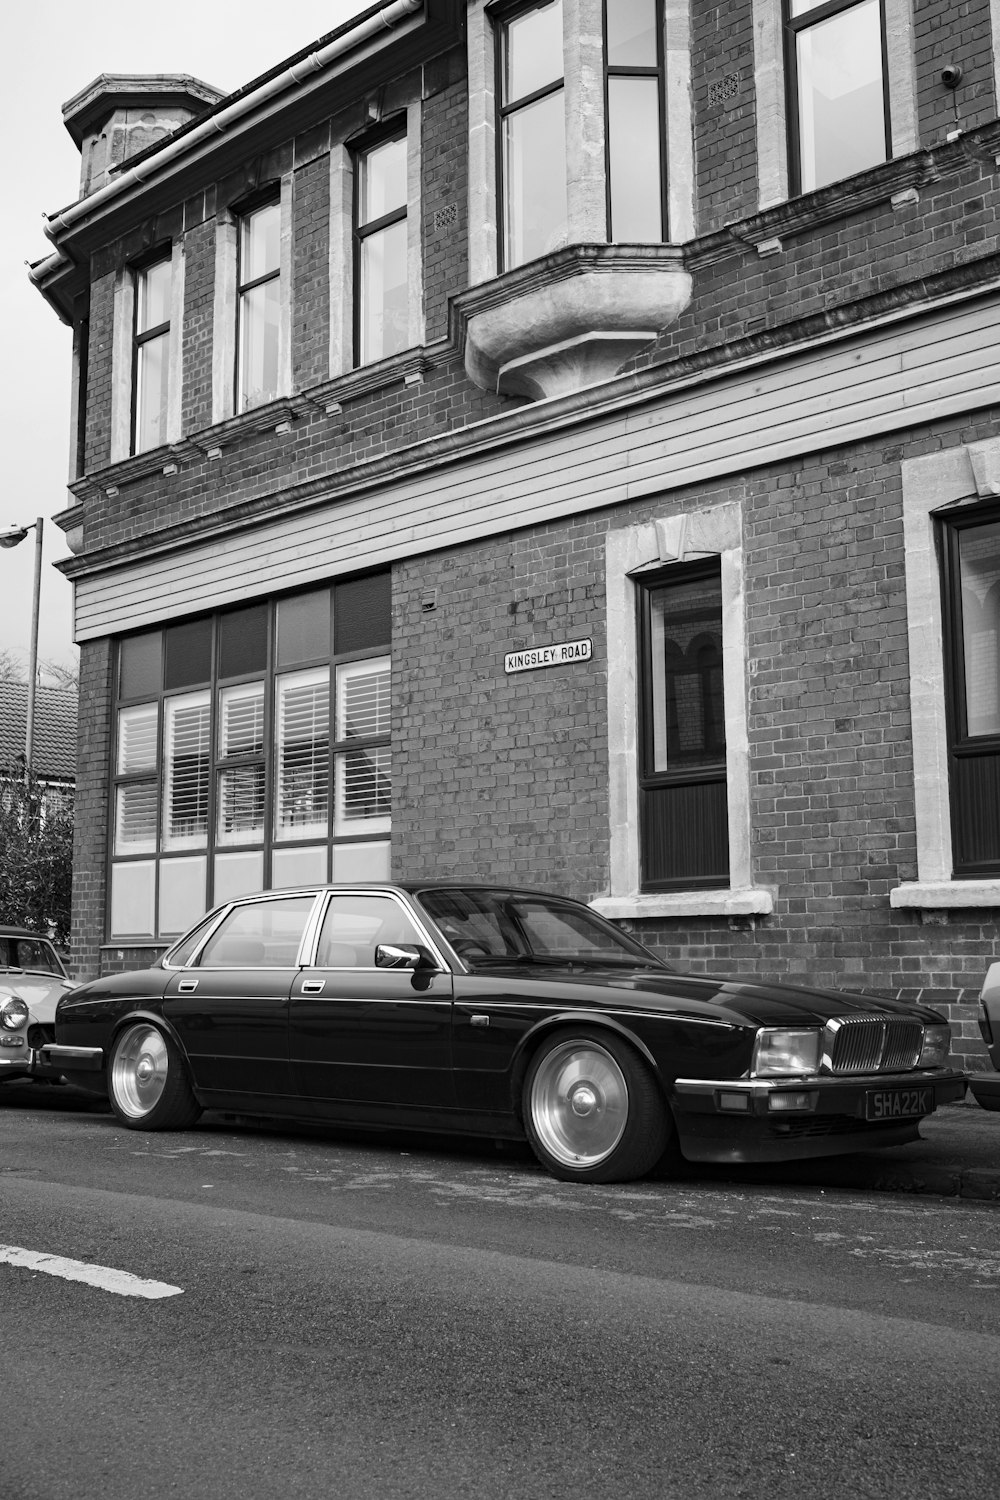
[(147, 1084), (592, 1109)]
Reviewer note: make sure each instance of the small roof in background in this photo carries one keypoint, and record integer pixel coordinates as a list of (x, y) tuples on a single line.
[(55, 729)]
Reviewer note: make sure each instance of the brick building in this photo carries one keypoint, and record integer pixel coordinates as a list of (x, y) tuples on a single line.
[(667, 327)]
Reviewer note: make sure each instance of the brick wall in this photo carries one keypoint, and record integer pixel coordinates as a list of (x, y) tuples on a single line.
[(97, 437), (953, 31), (444, 154), (311, 274), (725, 132), (199, 298), (872, 248), (92, 810)]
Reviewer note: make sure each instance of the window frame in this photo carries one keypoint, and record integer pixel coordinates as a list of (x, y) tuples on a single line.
[(961, 745), (243, 212), (266, 844), (649, 779), (659, 73), (501, 18), (139, 269), (394, 129), (792, 28)]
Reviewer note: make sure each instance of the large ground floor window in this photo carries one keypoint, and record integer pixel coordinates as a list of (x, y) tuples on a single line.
[(251, 752)]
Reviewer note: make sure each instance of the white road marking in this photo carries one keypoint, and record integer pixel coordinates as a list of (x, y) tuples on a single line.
[(105, 1277)]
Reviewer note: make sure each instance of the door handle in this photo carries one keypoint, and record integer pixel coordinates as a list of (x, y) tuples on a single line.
[(313, 986), (187, 986)]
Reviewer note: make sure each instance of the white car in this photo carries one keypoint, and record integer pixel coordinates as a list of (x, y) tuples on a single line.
[(986, 1086), (32, 979)]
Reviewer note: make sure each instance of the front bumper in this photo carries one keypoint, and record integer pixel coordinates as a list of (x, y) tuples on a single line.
[(722, 1120), (26, 1062)]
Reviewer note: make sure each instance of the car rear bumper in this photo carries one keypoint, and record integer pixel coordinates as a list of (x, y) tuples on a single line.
[(764, 1120), (986, 1089)]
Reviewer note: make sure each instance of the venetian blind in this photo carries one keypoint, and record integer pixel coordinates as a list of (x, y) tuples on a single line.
[(135, 801), (186, 764), (302, 726)]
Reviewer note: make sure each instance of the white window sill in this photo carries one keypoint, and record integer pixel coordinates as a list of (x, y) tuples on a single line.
[(937, 894), (749, 901)]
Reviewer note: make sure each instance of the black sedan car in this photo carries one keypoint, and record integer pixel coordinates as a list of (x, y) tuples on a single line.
[(498, 1012)]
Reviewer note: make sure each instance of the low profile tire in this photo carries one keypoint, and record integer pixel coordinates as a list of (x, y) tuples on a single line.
[(592, 1109), (147, 1085)]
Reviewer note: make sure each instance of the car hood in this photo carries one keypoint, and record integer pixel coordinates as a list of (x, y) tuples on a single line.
[(38, 991), (734, 1000)]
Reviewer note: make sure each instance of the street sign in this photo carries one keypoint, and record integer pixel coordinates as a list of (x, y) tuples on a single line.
[(548, 656)]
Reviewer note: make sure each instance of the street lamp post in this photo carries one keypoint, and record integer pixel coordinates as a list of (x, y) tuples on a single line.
[(11, 538)]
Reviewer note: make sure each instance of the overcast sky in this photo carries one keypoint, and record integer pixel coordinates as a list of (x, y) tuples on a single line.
[(53, 50)]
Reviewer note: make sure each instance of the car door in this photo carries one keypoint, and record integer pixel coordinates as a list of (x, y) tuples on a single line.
[(361, 1035), (230, 1008)]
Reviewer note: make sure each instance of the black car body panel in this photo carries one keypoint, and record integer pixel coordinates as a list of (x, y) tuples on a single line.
[(446, 1041)]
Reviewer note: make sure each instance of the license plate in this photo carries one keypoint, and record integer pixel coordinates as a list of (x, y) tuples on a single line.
[(898, 1104)]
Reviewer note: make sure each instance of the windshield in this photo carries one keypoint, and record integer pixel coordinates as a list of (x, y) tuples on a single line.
[(31, 955), (501, 927)]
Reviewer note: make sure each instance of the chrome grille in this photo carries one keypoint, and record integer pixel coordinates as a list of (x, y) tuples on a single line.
[(871, 1044)]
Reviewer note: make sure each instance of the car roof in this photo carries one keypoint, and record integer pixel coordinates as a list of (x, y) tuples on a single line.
[(24, 932), (406, 887)]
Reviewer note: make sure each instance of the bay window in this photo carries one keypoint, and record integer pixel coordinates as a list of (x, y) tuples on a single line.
[(532, 132), (633, 36)]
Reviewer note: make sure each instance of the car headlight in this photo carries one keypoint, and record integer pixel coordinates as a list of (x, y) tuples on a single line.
[(778, 1051), (936, 1047), (13, 1013)]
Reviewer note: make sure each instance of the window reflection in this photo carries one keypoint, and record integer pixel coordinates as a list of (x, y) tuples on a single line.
[(381, 264), (259, 305), (152, 346), (635, 154), (533, 134), (841, 116)]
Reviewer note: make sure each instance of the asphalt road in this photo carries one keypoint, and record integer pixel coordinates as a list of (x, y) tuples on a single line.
[(372, 1319)]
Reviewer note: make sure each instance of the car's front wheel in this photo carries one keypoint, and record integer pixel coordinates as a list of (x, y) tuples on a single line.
[(592, 1109), (147, 1084)]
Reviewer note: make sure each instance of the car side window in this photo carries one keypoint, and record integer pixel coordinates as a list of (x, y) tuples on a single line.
[(259, 935), (354, 926)]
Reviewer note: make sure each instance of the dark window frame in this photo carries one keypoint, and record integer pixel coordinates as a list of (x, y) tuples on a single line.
[(659, 73), (394, 129), (792, 27), (649, 780), (501, 16), (963, 748), (162, 255)]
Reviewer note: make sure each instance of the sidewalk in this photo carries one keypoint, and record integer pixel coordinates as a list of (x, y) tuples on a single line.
[(958, 1155)]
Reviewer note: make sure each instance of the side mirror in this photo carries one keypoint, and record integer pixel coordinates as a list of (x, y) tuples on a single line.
[(399, 956)]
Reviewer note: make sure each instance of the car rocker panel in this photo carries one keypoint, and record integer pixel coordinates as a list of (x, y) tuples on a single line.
[(505, 1013)]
